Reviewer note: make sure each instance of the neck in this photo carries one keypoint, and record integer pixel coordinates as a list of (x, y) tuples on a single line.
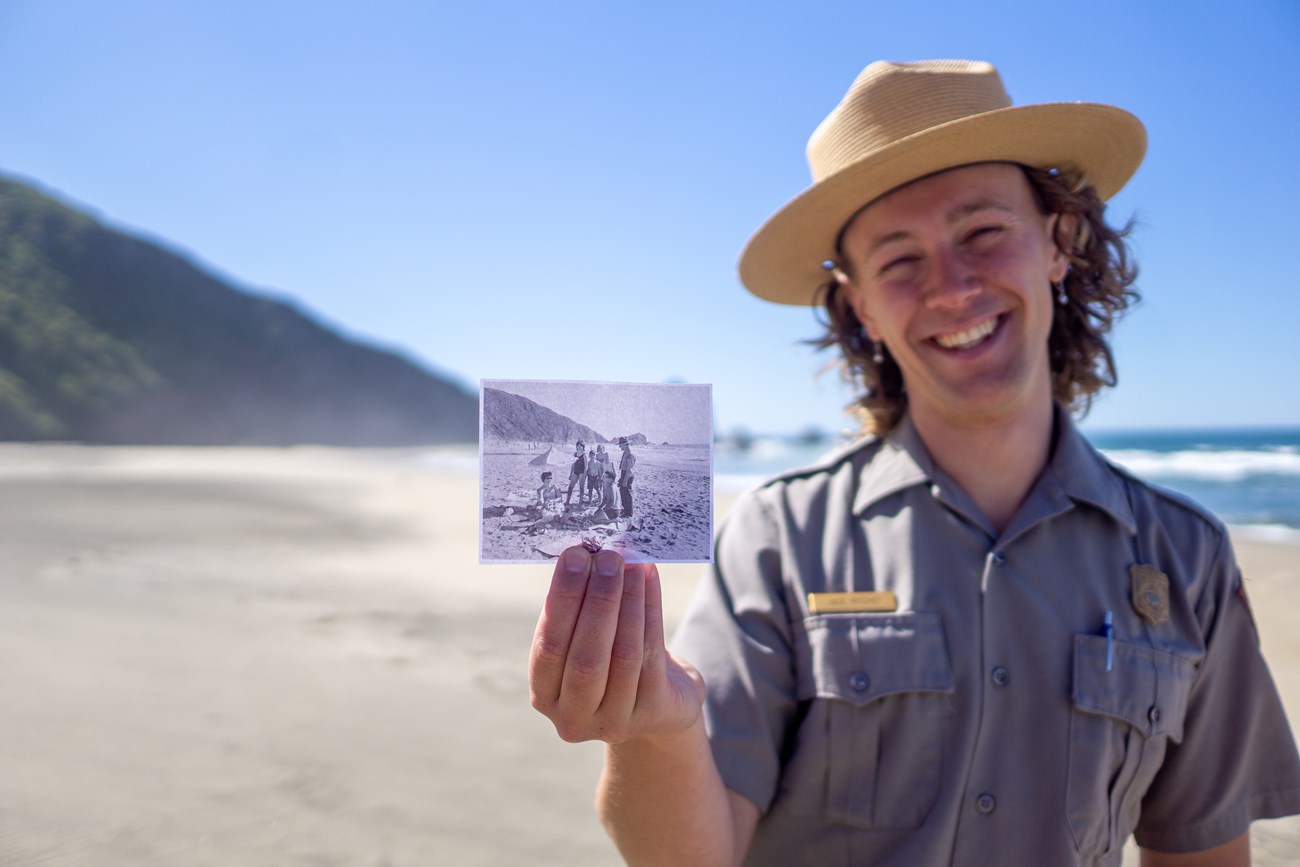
[(995, 462)]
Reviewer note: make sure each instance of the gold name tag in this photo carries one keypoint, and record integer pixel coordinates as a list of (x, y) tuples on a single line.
[(827, 603)]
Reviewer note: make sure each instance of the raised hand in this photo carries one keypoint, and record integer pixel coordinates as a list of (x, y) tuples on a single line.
[(599, 669)]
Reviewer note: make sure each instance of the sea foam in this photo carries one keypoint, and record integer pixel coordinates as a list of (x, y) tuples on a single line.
[(1228, 465)]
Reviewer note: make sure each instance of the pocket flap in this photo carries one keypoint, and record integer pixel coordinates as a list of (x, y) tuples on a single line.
[(1146, 687), (859, 658)]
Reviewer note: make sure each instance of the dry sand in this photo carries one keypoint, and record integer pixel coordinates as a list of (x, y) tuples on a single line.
[(292, 657)]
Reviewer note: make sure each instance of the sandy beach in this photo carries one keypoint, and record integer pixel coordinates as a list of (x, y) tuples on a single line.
[(671, 503), (292, 657)]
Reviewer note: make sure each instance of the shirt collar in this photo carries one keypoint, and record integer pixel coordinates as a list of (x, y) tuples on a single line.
[(1075, 470), (901, 462), (1087, 477)]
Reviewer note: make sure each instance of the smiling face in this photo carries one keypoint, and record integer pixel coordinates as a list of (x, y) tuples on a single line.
[(953, 273)]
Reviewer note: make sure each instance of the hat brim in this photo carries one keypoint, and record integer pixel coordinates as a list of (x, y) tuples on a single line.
[(782, 262)]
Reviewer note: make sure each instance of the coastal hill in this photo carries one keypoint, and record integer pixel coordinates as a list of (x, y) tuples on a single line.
[(509, 416), (108, 338)]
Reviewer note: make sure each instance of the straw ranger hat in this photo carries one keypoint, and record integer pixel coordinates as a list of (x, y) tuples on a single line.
[(903, 121)]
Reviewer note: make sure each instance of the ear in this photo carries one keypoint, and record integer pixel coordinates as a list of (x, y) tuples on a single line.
[(1062, 233), (868, 324), (858, 301)]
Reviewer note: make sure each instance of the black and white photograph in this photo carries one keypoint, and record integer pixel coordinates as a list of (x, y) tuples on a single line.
[(620, 465)]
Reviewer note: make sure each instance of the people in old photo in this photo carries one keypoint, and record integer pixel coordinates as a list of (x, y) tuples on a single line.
[(625, 475), (608, 499), (593, 475), (547, 494), (966, 638), (532, 427), (577, 474)]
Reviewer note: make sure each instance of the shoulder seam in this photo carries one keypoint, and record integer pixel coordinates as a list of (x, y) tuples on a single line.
[(1168, 495), (828, 461)]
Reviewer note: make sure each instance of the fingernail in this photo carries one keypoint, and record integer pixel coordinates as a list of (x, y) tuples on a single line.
[(607, 563), (575, 560)]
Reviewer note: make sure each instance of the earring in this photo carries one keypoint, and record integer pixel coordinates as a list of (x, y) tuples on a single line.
[(877, 352), (835, 271), (1061, 298)]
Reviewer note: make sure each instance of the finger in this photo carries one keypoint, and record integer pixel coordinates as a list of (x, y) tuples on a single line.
[(654, 675), (657, 676), (555, 626), (627, 652), (654, 617), (587, 668)]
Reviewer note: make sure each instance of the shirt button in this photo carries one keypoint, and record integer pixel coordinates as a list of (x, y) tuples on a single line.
[(985, 804), (1154, 715), (859, 681), (999, 557), (1001, 676)]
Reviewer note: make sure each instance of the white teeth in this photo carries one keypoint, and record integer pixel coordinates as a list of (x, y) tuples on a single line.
[(968, 338)]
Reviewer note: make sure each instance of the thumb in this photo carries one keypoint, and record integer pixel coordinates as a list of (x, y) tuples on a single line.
[(692, 673)]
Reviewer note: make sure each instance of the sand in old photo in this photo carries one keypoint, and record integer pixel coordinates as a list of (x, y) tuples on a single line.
[(672, 519)]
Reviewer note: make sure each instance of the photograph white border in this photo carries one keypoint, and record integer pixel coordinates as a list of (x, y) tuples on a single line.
[(670, 431)]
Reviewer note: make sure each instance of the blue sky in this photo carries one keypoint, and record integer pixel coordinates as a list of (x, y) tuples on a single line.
[(560, 191)]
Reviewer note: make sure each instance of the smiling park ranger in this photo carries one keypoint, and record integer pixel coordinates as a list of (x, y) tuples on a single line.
[(966, 639)]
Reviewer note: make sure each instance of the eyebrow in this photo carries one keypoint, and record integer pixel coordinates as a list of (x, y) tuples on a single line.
[(955, 215)]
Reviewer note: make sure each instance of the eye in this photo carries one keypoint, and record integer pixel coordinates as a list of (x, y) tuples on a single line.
[(897, 262), (985, 233)]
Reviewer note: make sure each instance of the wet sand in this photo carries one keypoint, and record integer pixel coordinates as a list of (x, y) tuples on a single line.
[(292, 657)]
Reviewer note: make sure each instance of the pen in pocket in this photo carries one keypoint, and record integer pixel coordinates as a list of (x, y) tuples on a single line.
[(1110, 640)]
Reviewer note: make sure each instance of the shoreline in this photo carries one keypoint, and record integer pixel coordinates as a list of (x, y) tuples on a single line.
[(464, 459)]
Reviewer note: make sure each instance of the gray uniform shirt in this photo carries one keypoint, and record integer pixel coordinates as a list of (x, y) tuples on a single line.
[(988, 719)]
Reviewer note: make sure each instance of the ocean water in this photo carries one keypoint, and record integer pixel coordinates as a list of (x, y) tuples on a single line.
[(1250, 478)]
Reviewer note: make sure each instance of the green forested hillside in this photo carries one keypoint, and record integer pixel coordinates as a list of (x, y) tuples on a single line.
[(109, 338)]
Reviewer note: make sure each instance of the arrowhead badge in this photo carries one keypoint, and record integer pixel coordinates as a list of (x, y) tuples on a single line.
[(1150, 592)]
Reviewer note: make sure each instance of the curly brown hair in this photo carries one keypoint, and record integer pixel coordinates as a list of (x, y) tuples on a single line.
[(1099, 286)]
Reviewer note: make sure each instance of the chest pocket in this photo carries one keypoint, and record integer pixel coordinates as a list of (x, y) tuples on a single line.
[(869, 752), (1122, 721)]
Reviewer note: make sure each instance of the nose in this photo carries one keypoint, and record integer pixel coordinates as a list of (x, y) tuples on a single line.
[(953, 284)]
